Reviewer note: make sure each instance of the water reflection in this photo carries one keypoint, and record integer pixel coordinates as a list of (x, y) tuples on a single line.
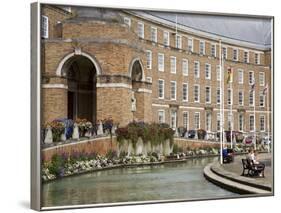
[(166, 181)]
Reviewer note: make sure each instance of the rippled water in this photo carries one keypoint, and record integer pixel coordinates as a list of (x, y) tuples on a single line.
[(168, 181)]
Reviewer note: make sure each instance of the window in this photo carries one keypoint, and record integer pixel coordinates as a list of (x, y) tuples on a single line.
[(240, 76), (218, 71), (246, 57), (166, 38), (127, 21), (208, 94), (185, 92), (148, 59), (208, 71), (218, 122), (261, 77), (161, 116), (218, 95), (202, 47), (241, 98), (261, 99), (229, 121), (173, 90), (153, 31), (208, 121), (185, 67), (190, 44), (178, 41), (262, 123), (241, 122), (140, 29), (45, 27), (213, 50), (160, 62), (173, 64), (229, 96), (235, 54), (161, 84), (185, 120), (252, 123), (251, 78), (224, 53), (257, 58), (196, 69), (196, 93), (173, 120), (251, 98), (197, 120)]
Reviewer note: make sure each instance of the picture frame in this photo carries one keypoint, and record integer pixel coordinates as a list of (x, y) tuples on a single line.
[(62, 100)]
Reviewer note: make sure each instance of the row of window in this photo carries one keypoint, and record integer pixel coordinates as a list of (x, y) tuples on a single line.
[(196, 71), (208, 94), (208, 121), (190, 44)]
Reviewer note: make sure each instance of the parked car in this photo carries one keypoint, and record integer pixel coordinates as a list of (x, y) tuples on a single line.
[(249, 140), (191, 133)]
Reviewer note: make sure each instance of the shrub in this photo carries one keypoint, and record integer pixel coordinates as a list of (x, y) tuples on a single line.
[(56, 166), (111, 154)]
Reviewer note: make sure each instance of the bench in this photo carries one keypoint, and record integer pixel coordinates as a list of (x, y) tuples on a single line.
[(252, 168)]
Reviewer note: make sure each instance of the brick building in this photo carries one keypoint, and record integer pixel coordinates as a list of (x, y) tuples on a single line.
[(99, 63)]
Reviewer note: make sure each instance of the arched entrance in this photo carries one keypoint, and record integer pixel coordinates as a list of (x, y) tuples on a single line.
[(81, 74)]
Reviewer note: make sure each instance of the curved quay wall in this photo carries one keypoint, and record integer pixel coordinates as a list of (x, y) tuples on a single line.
[(105, 144)]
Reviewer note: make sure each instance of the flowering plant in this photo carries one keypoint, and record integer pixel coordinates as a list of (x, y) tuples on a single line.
[(57, 129)]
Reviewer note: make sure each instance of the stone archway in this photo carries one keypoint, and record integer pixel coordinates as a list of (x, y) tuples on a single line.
[(81, 74)]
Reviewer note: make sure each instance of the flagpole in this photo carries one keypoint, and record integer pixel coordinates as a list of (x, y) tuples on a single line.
[(268, 115), (231, 124), (223, 133), (221, 102)]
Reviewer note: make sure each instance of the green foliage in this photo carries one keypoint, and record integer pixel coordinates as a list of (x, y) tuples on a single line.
[(56, 165), (111, 154)]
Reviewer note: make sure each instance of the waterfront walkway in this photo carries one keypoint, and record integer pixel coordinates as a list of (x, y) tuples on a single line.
[(229, 176)]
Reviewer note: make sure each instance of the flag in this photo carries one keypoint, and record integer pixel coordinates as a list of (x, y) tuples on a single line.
[(229, 75), (265, 89)]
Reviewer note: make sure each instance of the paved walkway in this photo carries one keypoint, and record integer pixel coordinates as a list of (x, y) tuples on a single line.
[(236, 167)]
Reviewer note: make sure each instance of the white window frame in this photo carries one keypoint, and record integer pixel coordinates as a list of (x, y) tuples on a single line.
[(253, 95), (163, 89), (262, 78), (262, 129), (161, 67), (251, 78), (224, 52), (178, 41), (235, 56), (196, 126), (262, 103), (185, 123), (127, 21), (190, 44), (153, 32), (140, 26), (210, 95), (241, 92), (45, 23), (206, 121), (218, 121), (173, 115), (173, 64), (198, 86), (185, 99), (251, 129), (163, 115), (209, 70), (240, 76), (149, 59), (168, 38), (248, 57), (229, 99), (173, 92), (200, 47), (257, 59), (185, 67), (240, 122), (218, 96), (218, 72), (198, 70), (215, 50)]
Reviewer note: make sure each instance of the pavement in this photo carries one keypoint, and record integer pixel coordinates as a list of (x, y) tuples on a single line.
[(229, 176)]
